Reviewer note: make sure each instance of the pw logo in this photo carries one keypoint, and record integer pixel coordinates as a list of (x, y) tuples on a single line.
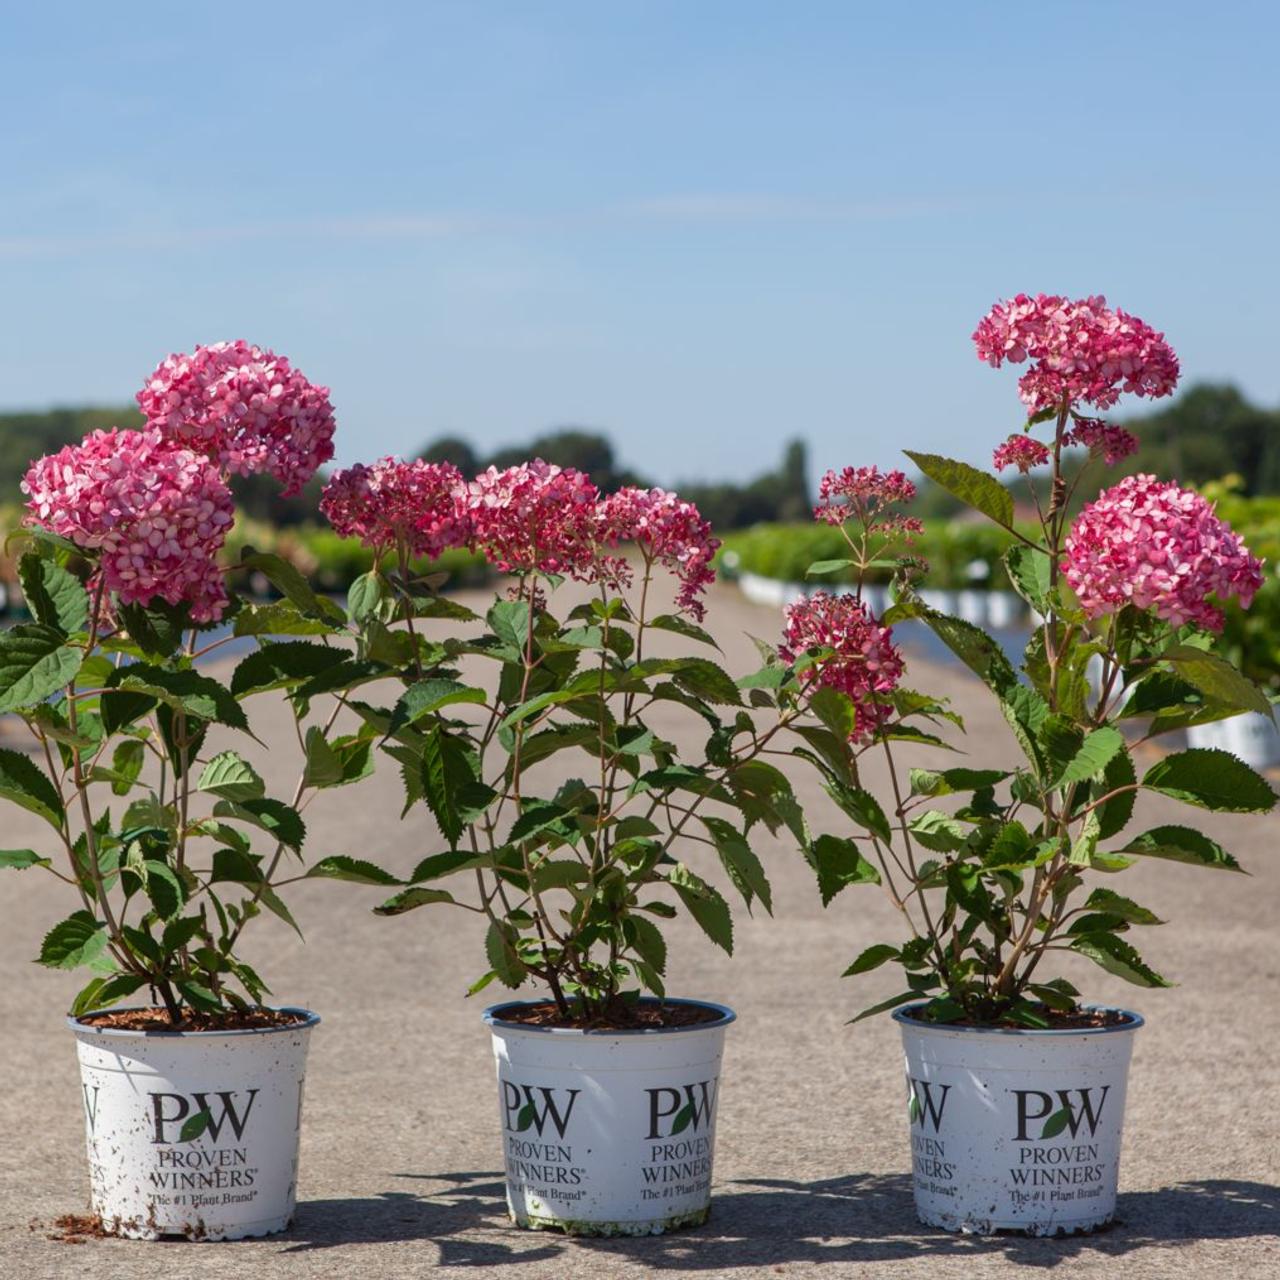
[(195, 1115), (1068, 1115), (524, 1111), (688, 1107), (924, 1107)]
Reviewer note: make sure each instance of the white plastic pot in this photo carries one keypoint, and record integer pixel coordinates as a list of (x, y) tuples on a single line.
[(761, 590), (608, 1132), (939, 600), (971, 606), (1015, 1130), (1004, 609), (155, 1168), (1250, 736)]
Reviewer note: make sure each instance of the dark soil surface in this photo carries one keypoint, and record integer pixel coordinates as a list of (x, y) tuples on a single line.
[(622, 1016), (158, 1020), (1080, 1020)]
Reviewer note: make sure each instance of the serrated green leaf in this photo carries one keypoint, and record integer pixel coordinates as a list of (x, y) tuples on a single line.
[(1029, 572), (410, 898), (820, 567), (26, 785), (283, 663), (430, 695), (54, 595), (230, 776), (34, 664), (357, 870), (979, 490), (1211, 779), (872, 958), (1094, 754), (1182, 844), (740, 862), (499, 945), (272, 816), (674, 623), (1218, 680), (704, 904), (1115, 904), (77, 940), (1118, 957), (838, 863), (21, 859)]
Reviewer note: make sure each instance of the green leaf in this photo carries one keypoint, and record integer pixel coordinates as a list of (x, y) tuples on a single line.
[(21, 859), (279, 618), (509, 621), (885, 1005), (979, 490), (54, 595), (862, 807), (740, 861), (430, 695), (835, 710), (872, 958), (1182, 844), (103, 992), (77, 940), (1029, 572), (26, 785), (673, 622), (646, 939), (1211, 779), (194, 1126), (1114, 904), (1217, 679), (839, 863), (499, 945), (292, 585), (1097, 751), (446, 769), (704, 904), (408, 899), (444, 864), (279, 664), (363, 596), (340, 867), (1118, 957), (34, 663), (1056, 1123), (1114, 815), (820, 567), (165, 890), (231, 777), (323, 767), (198, 695), (272, 816)]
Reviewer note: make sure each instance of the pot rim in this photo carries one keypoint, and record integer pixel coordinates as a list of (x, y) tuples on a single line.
[(492, 1016), (1132, 1023), (311, 1019)]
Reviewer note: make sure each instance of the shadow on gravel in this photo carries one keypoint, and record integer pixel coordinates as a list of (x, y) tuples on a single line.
[(856, 1219)]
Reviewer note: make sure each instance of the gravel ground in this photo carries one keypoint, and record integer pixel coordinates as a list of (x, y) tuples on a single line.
[(401, 1156)]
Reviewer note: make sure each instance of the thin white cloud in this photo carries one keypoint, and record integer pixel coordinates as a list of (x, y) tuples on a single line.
[(689, 208)]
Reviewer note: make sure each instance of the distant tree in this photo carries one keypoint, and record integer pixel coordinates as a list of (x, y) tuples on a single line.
[(453, 449)]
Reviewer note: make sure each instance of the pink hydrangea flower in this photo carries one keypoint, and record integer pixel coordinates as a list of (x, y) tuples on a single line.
[(864, 662), (1111, 443), (247, 408), (1080, 351), (154, 513), (864, 494), (669, 531), (1160, 547), (418, 503), (1023, 452), (535, 517)]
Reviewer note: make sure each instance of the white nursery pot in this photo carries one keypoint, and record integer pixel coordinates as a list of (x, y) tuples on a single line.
[(971, 606), (939, 600), (1251, 736), (234, 1179), (978, 1102), (1004, 609), (608, 1132)]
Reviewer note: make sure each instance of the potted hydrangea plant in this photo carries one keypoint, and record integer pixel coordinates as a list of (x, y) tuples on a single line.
[(1016, 1089), (141, 769), (607, 1087)]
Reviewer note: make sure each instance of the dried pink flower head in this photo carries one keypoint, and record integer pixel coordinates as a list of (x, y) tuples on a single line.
[(247, 408), (1160, 547), (1023, 452), (1103, 440), (154, 513), (535, 517), (864, 663), (668, 530), (864, 494), (420, 504), (1080, 351)]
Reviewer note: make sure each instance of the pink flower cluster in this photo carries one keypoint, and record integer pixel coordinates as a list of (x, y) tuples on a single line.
[(668, 530), (418, 503), (1023, 452), (246, 408), (535, 517), (864, 663), (1158, 547), (864, 494), (155, 513), (1111, 443), (1080, 351)]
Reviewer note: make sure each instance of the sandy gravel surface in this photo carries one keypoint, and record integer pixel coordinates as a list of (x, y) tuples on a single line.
[(401, 1156)]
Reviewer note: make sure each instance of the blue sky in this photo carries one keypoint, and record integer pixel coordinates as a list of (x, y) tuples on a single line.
[(703, 227)]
